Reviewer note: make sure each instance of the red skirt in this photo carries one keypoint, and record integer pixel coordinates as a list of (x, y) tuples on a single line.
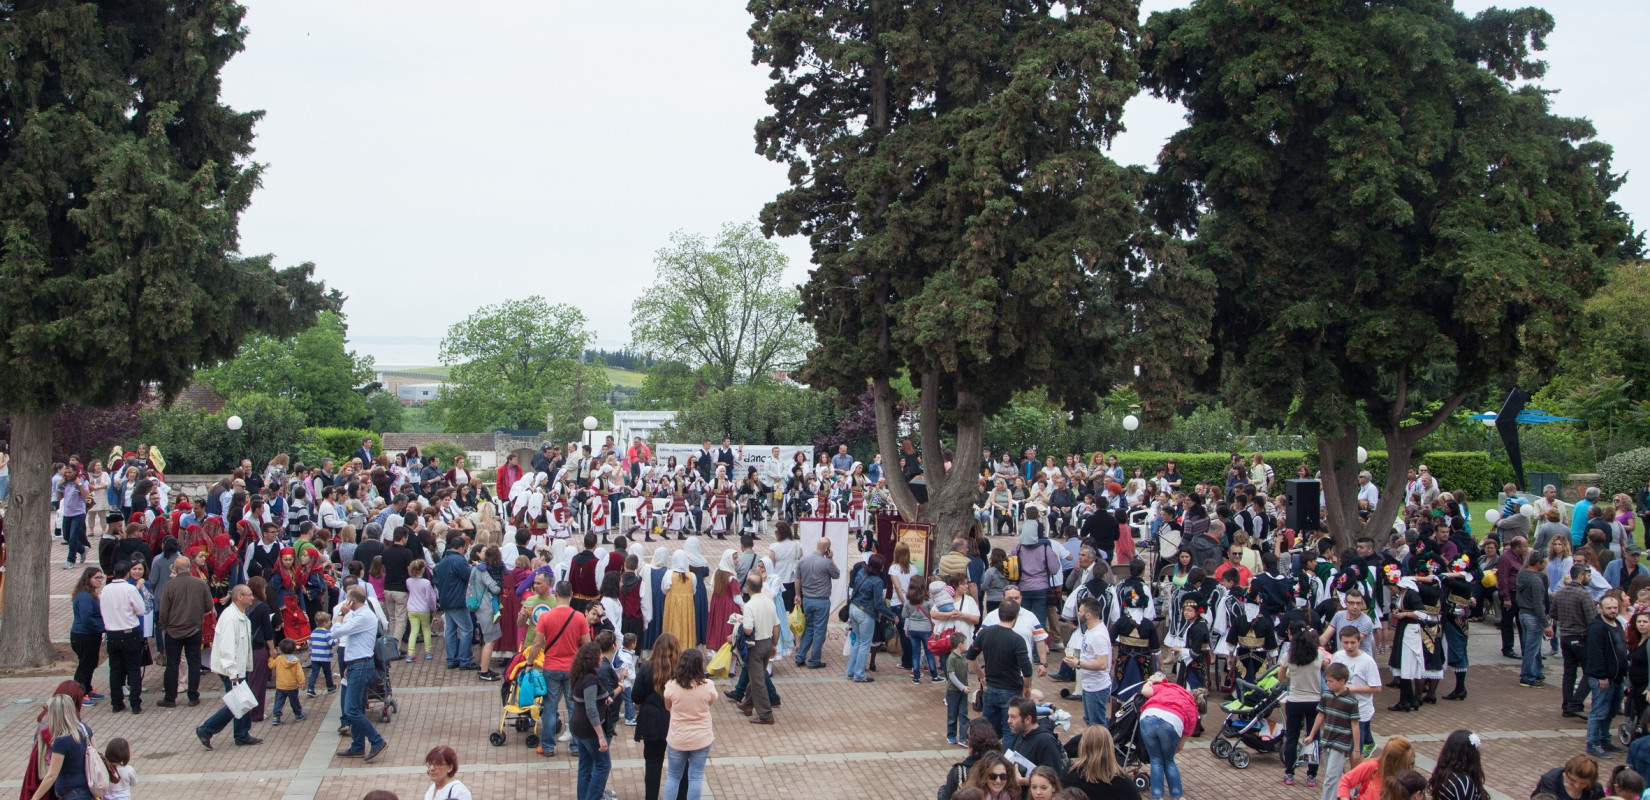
[(294, 622)]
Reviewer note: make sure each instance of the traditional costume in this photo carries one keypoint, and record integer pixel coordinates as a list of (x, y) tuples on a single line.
[(694, 549), (679, 588), (1135, 642), (653, 596), (287, 593), (1459, 583), (719, 505), (1417, 659), (724, 602), (677, 520), (1192, 648), (1252, 636)]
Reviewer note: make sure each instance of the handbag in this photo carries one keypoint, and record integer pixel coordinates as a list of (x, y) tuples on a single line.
[(939, 640), (240, 699)]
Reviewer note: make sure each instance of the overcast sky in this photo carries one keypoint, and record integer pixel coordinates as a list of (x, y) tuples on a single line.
[(432, 158)]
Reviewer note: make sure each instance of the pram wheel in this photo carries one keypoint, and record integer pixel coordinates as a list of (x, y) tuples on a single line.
[(532, 740), (1239, 758), (496, 738), (1142, 782), (1220, 748), (523, 724), (384, 714), (1625, 733)]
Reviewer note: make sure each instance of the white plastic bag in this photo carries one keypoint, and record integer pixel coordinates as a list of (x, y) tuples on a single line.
[(240, 699)]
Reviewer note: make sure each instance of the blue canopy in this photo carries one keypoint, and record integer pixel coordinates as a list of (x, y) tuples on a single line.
[(1529, 416)]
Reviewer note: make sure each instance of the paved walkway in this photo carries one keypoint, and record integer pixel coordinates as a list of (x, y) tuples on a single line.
[(862, 740)]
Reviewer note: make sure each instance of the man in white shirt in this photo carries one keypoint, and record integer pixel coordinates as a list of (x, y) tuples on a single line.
[(231, 659), (1090, 654), (357, 628), (328, 514), (123, 609), (1367, 491), (761, 625), (1029, 627)]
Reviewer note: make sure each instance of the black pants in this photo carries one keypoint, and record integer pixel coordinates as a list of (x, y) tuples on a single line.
[(1509, 623), (1574, 681), (653, 772), (1297, 716), (125, 667), (789, 596), (188, 649), (85, 647)]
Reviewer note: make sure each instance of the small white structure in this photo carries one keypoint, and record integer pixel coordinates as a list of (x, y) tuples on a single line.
[(629, 424)]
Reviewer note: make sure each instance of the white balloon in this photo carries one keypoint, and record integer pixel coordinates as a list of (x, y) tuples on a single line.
[(1131, 422), (234, 423), (1492, 516), (1363, 455)]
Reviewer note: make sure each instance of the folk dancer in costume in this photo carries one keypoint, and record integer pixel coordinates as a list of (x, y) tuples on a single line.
[(856, 517), (288, 594), (1253, 638), (718, 508), (1418, 649), (598, 509), (1135, 642), (695, 493), (1188, 639), (643, 520), (1458, 584), (1223, 608), (677, 517), (560, 518), (1136, 582)]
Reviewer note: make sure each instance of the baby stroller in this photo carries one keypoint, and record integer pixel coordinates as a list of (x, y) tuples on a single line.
[(386, 651), (1247, 720), (523, 696), (1126, 742), (1636, 722)]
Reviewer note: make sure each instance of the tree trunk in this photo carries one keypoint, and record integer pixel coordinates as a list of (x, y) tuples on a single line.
[(25, 640), (882, 399), (951, 507), (1338, 467)]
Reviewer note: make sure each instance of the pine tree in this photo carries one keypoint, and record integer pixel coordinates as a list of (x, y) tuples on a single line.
[(122, 180)]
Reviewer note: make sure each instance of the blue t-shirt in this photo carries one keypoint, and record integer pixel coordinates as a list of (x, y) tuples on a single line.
[(72, 775), (88, 614)]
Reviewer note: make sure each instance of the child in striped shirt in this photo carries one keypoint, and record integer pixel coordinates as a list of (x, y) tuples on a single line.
[(1336, 728), (320, 652)]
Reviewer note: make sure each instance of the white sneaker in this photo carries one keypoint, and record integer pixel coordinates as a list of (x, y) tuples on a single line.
[(566, 736)]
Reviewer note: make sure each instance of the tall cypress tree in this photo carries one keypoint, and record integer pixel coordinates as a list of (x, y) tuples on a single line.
[(122, 181), (968, 232), (1396, 220)]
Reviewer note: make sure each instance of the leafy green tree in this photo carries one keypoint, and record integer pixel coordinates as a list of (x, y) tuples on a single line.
[(968, 232), (200, 442), (757, 413), (312, 369), (723, 305), (1393, 215), (385, 414), (1617, 341), (582, 394), (508, 361), (122, 180), (672, 385)]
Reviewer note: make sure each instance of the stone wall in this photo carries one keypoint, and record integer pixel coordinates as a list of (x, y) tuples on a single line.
[(193, 485)]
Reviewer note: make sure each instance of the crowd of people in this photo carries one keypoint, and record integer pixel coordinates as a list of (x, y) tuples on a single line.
[(295, 575)]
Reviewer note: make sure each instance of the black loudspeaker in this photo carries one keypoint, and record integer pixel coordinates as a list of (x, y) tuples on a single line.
[(1304, 514)]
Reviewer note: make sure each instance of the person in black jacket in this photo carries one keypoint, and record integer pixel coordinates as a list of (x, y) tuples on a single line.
[(981, 740), (1100, 531), (652, 720), (1576, 780), (1036, 740), (1606, 669)]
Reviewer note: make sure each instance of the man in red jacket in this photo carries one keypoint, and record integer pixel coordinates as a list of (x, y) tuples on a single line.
[(1506, 579)]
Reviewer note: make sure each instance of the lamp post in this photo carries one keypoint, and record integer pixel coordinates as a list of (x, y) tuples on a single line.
[(590, 424), (1130, 424)]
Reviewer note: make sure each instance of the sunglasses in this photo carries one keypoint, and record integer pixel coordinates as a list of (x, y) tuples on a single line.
[(998, 776)]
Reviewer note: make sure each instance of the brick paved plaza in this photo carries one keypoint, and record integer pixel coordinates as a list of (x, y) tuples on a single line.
[(834, 738)]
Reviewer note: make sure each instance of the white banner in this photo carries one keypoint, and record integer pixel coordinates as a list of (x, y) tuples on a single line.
[(810, 529), (749, 455)]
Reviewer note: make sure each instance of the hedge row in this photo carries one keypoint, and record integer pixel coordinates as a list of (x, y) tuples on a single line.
[(1476, 474), (339, 444)]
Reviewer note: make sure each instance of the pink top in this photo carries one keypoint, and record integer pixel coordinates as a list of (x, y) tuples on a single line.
[(421, 597), (690, 727)]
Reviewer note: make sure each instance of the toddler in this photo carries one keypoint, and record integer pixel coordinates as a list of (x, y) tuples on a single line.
[(421, 602), (288, 673), (626, 665), (320, 652), (942, 597), (119, 753), (956, 690)]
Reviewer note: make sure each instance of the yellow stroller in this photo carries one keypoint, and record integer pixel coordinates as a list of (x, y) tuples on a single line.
[(523, 696)]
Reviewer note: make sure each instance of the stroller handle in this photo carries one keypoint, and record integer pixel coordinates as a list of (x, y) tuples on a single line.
[(1247, 686)]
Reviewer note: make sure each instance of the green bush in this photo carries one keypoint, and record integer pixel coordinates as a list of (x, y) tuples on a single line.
[(198, 442), (1211, 467), (340, 444), (1475, 474), (446, 451), (1624, 473)]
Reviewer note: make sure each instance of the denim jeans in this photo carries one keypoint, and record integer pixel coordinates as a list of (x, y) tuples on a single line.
[(459, 628), (917, 645), (556, 687), (994, 707), (863, 626), (1161, 742), (594, 766), (1037, 603), (357, 677), (317, 669), (742, 686), (1606, 703), (956, 715), (816, 612), (1530, 627), (685, 765), (221, 719), (74, 535), (1097, 707)]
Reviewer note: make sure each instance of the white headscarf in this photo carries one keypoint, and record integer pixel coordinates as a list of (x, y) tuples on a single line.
[(661, 558), (679, 563), (693, 551), (726, 564)]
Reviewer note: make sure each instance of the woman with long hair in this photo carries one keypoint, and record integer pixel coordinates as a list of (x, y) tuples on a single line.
[(867, 610), (996, 777), (38, 767), (263, 631), (1459, 774), (1405, 785), (980, 739), (1365, 780), (1304, 670), (86, 631), (65, 776), (585, 722), (688, 696), (1096, 771), (652, 719)]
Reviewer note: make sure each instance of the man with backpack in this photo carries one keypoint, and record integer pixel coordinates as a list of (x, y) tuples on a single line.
[(452, 582), (1039, 564)]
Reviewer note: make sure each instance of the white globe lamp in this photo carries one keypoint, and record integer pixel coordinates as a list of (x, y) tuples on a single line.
[(234, 423), (590, 423), (1131, 423), (1363, 455), (1489, 421)]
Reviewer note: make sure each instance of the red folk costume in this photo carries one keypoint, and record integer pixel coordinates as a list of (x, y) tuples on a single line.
[(598, 512), (157, 533), (294, 620), (209, 623)]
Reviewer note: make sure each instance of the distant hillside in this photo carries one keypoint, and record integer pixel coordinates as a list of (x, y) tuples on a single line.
[(628, 379)]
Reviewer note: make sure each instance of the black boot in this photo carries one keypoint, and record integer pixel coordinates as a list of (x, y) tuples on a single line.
[(1432, 692), (1460, 692), (1406, 696)]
